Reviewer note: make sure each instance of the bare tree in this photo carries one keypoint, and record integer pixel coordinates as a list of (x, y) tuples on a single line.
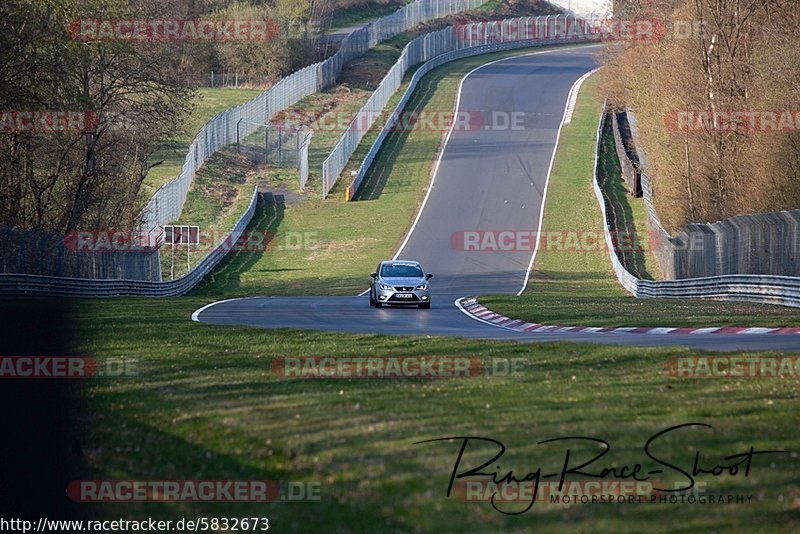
[(740, 56), (59, 181)]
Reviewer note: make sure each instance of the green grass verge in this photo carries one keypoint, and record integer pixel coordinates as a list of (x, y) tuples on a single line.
[(220, 194), (210, 101), (369, 138), (489, 7), (351, 16), (628, 215), (324, 139), (579, 288), (205, 405)]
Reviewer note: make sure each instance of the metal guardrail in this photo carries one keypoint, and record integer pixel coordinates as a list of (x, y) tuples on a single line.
[(433, 48), (28, 284), (765, 289)]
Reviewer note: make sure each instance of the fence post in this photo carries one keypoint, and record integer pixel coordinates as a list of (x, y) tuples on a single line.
[(237, 135)]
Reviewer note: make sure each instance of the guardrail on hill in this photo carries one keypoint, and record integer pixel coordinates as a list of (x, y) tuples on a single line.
[(767, 289), (433, 48), (29, 284), (167, 203)]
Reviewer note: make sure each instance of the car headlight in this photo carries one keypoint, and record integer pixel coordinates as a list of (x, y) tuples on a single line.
[(385, 287), (423, 287)]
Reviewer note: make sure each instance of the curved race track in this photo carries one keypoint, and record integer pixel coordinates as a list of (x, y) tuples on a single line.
[(484, 180)]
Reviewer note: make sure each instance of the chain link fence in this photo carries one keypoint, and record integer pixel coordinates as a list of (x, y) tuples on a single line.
[(167, 203), (764, 243), (279, 145), (79, 255), (361, 40), (232, 79), (518, 32), (761, 288)]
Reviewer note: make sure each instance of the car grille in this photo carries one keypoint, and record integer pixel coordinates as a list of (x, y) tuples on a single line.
[(404, 288)]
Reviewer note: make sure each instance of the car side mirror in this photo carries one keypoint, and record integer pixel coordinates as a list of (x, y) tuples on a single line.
[(373, 276), (428, 276)]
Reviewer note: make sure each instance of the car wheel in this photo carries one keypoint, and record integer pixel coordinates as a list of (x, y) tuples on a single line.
[(425, 306), (371, 300)]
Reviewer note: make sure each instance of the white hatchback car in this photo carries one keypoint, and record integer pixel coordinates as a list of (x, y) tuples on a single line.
[(400, 282)]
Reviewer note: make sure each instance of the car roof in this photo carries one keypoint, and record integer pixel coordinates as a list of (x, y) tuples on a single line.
[(400, 262)]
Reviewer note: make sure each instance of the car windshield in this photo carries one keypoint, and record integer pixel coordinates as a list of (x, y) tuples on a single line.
[(400, 270)]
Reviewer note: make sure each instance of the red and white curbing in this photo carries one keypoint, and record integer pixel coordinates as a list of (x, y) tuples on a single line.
[(472, 308)]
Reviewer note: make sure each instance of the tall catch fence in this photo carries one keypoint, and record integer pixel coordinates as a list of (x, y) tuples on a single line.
[(764, 243), (79, 255), (167, 203), (279, 145), (760, 288)]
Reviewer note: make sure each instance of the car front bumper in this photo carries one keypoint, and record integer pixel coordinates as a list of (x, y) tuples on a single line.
[(393, 296)]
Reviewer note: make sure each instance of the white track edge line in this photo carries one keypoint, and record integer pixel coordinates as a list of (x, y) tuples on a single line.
[(196, 313), (575, 89)]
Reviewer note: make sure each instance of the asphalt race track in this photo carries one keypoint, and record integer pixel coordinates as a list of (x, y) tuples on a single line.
[(487, 179)]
